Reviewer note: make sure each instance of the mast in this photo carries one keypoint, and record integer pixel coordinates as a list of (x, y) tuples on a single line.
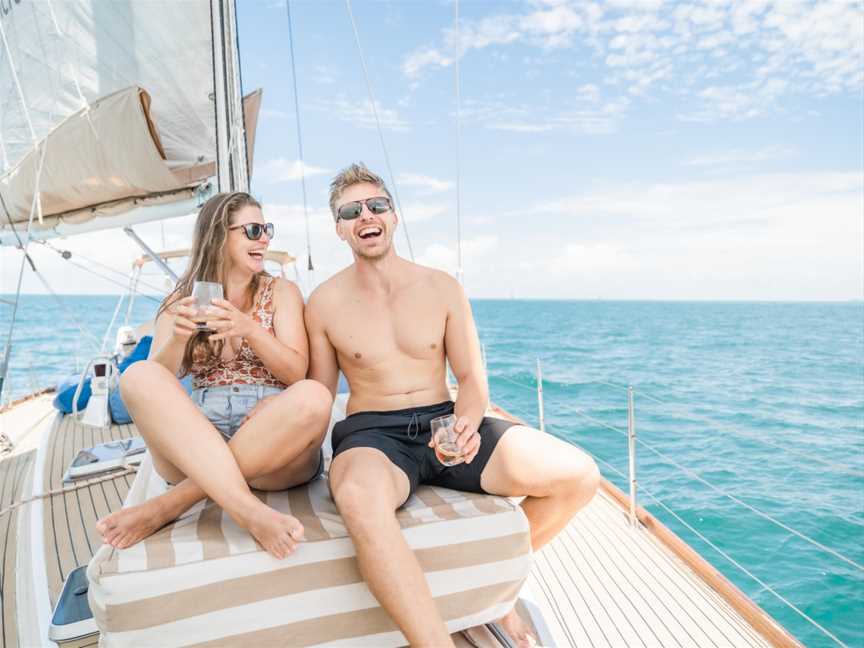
[(231, 156)]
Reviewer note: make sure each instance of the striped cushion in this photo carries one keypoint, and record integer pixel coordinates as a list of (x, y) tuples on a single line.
[(203, 579)]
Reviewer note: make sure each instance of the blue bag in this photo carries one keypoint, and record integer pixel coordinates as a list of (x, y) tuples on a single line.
[(119, 413)]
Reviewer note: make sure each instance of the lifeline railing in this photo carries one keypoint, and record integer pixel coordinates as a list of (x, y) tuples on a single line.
[(632, 441)]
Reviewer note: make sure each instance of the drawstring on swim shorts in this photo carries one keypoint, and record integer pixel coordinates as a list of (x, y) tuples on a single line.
[(415, 424)]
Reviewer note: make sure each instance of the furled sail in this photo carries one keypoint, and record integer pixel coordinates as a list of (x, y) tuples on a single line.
[(119, 99)]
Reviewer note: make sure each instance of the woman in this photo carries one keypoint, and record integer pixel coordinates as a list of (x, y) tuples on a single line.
[(249, 388)]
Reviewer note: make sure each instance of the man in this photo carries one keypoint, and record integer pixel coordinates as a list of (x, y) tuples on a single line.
[(390, 326)]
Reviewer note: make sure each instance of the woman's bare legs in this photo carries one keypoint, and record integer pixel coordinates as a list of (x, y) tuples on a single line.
[(275, 448)]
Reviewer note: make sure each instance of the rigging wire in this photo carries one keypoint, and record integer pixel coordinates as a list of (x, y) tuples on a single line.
[(699, 478), (310, 267), (762, 583), (380, 130), (110, 280), (834, 465), (67, 311), (68, 257), (726, 555), (35, 206), (457, 58)]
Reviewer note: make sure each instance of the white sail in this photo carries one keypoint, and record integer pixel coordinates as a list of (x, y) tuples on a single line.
[(60, 60)]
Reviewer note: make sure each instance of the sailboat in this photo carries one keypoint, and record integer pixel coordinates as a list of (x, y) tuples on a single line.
[(116, 114)]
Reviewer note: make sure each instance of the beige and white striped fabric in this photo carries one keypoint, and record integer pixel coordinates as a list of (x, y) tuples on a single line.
[(204, 581)]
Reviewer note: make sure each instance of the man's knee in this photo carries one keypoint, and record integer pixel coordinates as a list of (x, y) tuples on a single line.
[(360, 485), (581, 481)]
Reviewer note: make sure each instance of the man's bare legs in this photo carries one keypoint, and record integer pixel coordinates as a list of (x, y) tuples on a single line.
[(368, 489), (557, 479), (183, 442)]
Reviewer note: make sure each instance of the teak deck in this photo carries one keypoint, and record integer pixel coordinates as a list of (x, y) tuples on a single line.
[(600, 583)]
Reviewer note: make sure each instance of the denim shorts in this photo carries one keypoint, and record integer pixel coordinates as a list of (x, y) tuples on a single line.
[(227, 406)]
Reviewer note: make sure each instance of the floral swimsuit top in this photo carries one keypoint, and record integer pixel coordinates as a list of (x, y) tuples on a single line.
[(245, 368)]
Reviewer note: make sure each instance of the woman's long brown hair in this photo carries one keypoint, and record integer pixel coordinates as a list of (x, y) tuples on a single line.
[(207, 263)]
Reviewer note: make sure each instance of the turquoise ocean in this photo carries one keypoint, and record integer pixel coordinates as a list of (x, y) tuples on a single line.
[(763, 402)]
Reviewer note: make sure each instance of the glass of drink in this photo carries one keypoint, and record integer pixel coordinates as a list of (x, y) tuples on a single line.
[(444, 438), (204, 292)]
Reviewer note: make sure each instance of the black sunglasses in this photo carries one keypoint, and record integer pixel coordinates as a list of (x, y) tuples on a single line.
[(254, 231), (353, 209)]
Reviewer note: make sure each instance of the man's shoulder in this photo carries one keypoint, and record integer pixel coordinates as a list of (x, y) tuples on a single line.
[(434, 277), (441, 282), (328, 291)]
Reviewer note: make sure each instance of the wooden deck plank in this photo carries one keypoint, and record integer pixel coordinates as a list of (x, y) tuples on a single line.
[(70, 519), (13, 477), (604, 584), (72, 442), (638, 609), (619, 536), (679, 592), (57, 549), (741, 632)]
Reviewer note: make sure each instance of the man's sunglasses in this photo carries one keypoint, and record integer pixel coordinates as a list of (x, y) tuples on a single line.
[(353, 209), (254, 231)]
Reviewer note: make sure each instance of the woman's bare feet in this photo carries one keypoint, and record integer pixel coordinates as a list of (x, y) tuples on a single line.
[(276, 532), (519, 631), (125, 527)]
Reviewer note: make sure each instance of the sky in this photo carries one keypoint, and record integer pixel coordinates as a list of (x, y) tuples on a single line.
[(626, 149)]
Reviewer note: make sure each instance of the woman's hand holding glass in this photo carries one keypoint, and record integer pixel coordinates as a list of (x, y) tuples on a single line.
[(228, 321), (184, 312)]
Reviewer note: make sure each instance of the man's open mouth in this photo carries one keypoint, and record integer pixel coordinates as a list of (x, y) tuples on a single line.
[(369, 232)]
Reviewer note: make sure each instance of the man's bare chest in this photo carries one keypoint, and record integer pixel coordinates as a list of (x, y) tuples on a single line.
[(366, 333)]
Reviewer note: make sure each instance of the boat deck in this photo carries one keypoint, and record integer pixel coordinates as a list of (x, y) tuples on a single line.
[(70, 518), (15, 474), (601, 582)]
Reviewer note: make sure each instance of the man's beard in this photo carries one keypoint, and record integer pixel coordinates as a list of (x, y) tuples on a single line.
[(375, 256)]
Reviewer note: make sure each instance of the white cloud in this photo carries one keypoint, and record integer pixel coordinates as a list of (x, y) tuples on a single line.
[(446, 257), (708, 204), (415, 212), (269, 113), (282, 170), (359, 113), (422, 182), (579, 258), (811, 47), (736, 156), (424, 57), (590, 117)]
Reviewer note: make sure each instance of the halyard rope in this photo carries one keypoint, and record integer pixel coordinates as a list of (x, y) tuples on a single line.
[(309, 265), (380, 131), (68, 489)]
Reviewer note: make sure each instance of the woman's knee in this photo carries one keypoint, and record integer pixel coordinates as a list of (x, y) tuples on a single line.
[(312, 402), (140, 377)]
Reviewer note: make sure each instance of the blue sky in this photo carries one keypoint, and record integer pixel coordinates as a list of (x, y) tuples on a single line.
[(624, 149)]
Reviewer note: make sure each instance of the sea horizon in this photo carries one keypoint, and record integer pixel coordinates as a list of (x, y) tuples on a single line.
[(683, 300)]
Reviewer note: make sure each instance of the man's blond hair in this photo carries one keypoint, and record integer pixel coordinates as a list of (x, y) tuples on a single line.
[(349, 176)]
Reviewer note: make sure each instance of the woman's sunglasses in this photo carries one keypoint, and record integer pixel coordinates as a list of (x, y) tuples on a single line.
[(254, 231), (353, 209)]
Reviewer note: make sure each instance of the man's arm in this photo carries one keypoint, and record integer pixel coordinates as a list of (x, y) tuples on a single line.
[(466, 362), (323, 364)]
